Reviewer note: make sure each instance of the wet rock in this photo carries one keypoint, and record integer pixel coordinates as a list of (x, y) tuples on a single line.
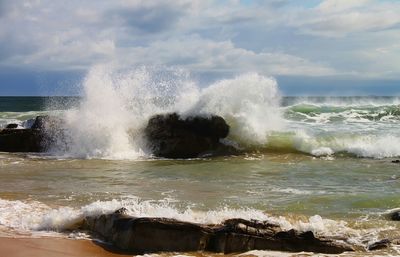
[(44, 133), (385, 243), (395, 215), (141, 235), (21, 140), (238, 235), (396, 161), (171, 136), (148, 235), (12, 126)]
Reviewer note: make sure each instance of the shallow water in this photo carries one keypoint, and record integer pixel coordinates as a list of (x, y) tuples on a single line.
[(336, 197)]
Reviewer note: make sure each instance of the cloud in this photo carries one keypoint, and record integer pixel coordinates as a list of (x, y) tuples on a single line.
[(147, 16), (205, 55), (277, 37), (338, 18), (341, 5)]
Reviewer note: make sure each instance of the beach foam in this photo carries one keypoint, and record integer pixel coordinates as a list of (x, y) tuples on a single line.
[(36, 217)]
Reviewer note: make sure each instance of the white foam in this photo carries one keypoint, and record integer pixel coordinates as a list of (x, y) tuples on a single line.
[(250, 101), (117, 105), (321, 151), (296, 191), (361, 145), (36, 217)]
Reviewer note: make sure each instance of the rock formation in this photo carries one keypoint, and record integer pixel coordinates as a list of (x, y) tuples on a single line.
[(171, 136), (44, 131), (148, 235), (21, 140), (167, 135), (395, 215)]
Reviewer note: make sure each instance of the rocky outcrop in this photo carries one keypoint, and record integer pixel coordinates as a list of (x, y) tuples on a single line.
[(395, 215), (172, 136), (148, 235), (12, 126), (43, 133), (21, 140), (167, 135)]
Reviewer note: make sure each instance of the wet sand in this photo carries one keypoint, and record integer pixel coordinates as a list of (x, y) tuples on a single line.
[(54, 247)]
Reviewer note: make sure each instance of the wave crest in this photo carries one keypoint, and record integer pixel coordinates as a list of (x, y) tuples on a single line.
[(117, 104)]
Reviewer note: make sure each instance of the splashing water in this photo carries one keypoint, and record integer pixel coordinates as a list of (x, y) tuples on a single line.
[(36, 217), (117, 104)]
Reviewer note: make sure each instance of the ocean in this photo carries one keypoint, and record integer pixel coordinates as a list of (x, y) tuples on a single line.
[(312, 163)]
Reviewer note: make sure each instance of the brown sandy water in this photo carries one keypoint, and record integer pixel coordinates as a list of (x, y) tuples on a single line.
[(45, 196)]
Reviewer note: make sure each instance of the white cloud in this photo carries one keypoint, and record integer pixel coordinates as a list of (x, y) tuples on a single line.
[(204, 55), (337, 37), (329, 6), (338, 18)]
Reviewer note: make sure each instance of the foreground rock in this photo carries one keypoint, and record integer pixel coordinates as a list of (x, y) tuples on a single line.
[(382, 244), (172, 136), (149, 235)]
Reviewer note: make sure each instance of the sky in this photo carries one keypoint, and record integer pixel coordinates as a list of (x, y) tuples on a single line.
[(312, 47)]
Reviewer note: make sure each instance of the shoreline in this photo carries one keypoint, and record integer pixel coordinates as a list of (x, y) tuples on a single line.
[(55, 247)]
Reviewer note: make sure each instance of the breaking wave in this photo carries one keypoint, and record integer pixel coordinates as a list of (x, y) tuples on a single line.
[(36, 218), (116, 106), (108, 120)]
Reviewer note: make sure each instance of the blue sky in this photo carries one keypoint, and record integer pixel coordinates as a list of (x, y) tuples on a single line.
[(312, 46)]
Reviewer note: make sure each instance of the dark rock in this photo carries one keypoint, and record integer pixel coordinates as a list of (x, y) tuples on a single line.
[(21, 140), (172, 136), (240, 235), (385, 243), (44, 133), (147, 235), (142, 235), (396, 161), (47, 123), (12, 126), (395, 215)]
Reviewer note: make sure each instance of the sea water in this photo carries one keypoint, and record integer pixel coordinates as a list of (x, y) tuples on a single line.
[(311, 163)]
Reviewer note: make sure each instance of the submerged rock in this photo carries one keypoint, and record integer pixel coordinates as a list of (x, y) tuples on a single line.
[(171, 136), (148, 235)]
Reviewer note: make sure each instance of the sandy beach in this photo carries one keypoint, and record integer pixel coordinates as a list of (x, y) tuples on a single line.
[(54, 247)]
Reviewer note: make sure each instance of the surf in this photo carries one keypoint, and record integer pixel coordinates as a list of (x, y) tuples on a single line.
[(116, 105), (108, 120)]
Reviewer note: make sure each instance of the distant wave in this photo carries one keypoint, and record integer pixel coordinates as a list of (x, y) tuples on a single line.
[(351, 113)]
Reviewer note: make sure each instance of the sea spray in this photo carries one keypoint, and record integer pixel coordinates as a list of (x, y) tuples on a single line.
[(249, 102), (117, 104)]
